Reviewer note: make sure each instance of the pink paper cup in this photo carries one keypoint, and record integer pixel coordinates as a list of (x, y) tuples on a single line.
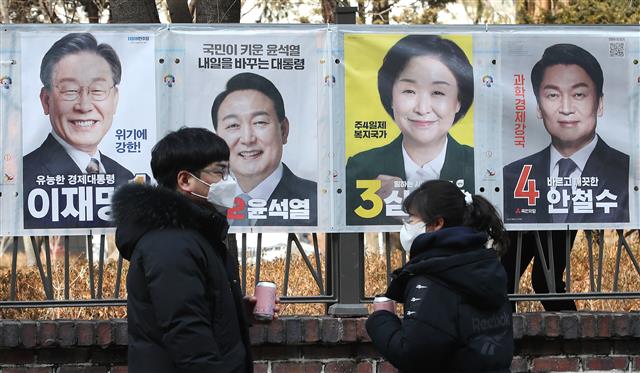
[(266, 300)]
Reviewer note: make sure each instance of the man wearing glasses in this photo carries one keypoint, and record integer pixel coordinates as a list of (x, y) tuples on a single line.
[(80, 95), (185, 307)]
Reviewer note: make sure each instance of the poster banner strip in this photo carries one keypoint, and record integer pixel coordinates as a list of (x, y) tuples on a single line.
[(330, 128)]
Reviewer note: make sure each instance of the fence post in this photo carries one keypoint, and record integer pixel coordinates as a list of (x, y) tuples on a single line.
[(347, 248), (348, 260)]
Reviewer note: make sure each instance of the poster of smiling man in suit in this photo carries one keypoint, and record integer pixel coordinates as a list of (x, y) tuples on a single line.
[(572, 101), (81, 150)]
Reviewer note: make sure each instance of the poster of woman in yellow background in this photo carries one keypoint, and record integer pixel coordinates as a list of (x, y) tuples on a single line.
[(409, 119)]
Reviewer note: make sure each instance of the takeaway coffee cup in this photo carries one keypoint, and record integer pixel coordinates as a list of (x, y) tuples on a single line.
[(266, 300), (384, 303)]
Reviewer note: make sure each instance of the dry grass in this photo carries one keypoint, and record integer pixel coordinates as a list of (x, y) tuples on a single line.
[(29, 287), (301, 282), (628, 278)]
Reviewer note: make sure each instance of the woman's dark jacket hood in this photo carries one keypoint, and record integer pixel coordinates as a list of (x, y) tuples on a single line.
[(138, 209), (458, 258)]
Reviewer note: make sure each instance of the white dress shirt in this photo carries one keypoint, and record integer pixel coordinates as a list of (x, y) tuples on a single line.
[(580, 158), (418, 174), (79, 157), (263, 190)]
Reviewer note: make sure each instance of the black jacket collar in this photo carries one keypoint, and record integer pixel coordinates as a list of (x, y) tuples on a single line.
[(138, 209), (455, 257)]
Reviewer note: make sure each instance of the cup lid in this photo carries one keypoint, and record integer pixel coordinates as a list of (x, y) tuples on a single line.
[(266, 283), (380, 299)]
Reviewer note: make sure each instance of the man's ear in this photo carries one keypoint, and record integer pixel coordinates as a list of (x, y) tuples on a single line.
[(538, 112), (600, 111), (45, 95), (116, 95), (284, 128), (185, 182)]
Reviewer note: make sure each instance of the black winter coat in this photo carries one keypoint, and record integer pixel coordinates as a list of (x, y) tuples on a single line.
[(457, 317), (185, 309)]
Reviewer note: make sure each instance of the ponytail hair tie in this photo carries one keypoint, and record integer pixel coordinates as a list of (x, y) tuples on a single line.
[(468, 198)]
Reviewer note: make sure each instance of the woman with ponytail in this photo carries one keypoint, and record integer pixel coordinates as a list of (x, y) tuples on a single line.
[(457, 317)]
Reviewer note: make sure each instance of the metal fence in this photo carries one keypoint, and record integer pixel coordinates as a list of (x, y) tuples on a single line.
[(337, 269)]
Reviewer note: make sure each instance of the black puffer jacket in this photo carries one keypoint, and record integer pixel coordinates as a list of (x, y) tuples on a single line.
[(456, 314), (184, 304)]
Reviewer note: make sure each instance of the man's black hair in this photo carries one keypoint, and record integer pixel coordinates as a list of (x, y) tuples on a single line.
[(189, 149), (567, 54), (249, 81)]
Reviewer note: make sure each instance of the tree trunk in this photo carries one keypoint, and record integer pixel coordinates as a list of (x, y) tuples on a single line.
[(4, 11), (218, 11), (139, 11), (47, 11), (329, 11), (361, 13), (542, 7), (92, 10), (479, 11), (180, 11)]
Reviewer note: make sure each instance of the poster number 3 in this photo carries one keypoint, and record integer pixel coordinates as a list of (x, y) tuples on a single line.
[(369, 194)]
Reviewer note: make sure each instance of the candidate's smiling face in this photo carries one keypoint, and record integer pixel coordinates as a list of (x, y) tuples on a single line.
[(248, 122), (425, 100), (84, 120), (569, 106)]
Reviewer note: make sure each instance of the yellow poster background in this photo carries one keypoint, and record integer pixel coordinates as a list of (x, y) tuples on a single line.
[(363, 55)]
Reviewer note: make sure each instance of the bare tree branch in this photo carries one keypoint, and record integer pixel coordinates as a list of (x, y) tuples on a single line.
[(48, 13)]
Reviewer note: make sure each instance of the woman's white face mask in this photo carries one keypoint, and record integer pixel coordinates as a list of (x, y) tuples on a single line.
[(409, 232), (221, 193)]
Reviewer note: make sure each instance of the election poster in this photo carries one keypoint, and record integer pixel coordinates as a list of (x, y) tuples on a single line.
[(567, 130), (261, 92), (408, 119), (88, 123)]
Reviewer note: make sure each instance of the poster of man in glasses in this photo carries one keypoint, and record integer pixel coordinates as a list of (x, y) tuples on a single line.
[(85, 129)]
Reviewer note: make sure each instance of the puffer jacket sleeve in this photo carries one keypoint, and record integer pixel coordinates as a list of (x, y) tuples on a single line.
[(426, 335), (175, 267)]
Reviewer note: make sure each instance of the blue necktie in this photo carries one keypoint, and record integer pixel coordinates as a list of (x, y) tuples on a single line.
[(565, 167)]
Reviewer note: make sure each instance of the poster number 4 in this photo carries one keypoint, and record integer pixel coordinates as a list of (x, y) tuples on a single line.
[(526, 188)]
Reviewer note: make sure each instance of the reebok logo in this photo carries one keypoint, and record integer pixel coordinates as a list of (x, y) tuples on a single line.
[(480, 324)]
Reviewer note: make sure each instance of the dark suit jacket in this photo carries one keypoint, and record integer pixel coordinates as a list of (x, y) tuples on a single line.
[(50, 159), (609, 165), (388, 160), (293, 187)]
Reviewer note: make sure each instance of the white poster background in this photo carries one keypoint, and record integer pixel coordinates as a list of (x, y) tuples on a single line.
[(520, 52), (303, 92), (137, 94), (299, 89)]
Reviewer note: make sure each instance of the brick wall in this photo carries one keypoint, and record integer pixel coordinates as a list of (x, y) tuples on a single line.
[(545, 342)]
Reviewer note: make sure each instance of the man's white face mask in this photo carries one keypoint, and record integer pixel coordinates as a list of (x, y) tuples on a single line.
[(409, 232), (221, 194)]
